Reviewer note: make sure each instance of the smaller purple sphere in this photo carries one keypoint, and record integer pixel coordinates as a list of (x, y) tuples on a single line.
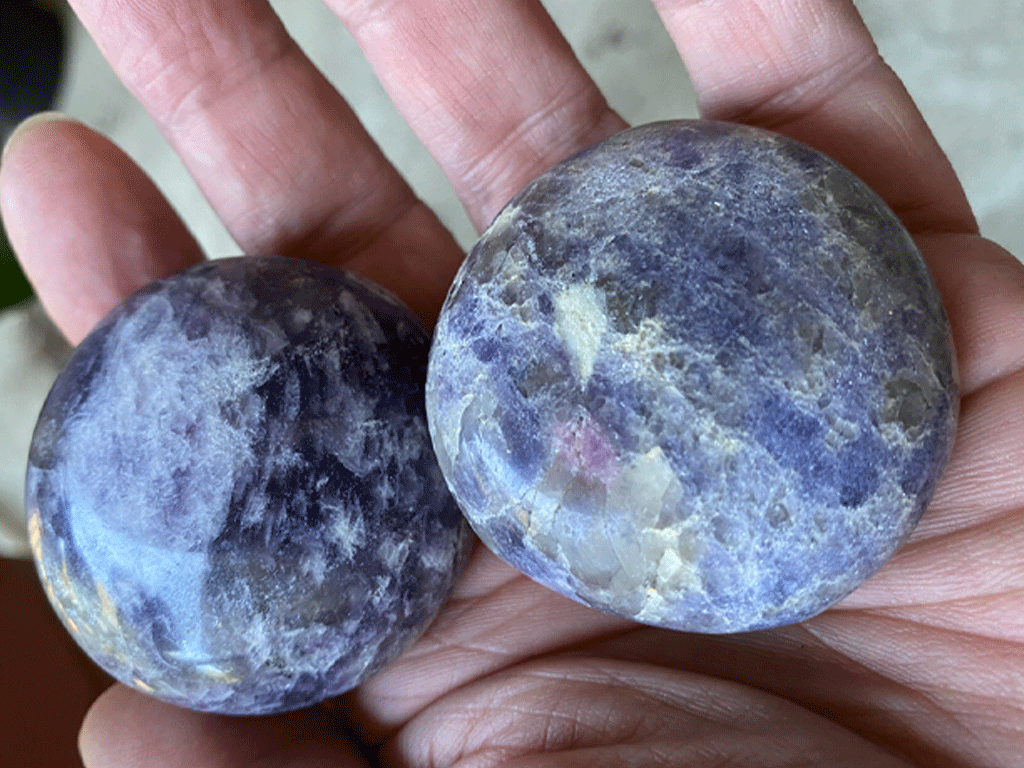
[(232, 498)]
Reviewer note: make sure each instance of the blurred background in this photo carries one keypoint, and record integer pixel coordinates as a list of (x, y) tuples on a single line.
[(963, 62)]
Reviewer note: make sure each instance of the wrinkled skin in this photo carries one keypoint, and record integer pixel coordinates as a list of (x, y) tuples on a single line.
[(922, 665)]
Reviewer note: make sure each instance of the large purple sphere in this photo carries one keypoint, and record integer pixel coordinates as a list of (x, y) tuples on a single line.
[(697, 376), (232, 498)]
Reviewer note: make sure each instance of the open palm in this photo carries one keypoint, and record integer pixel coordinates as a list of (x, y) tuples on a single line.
[(923, 665)]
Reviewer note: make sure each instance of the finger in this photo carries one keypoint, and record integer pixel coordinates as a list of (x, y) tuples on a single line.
[(87, 224), (491, 88), (809, 68), (127, 728), (983, 289), (282, 158)]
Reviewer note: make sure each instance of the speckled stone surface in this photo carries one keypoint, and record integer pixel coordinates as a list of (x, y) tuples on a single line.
[(697, 376), (232, 499)]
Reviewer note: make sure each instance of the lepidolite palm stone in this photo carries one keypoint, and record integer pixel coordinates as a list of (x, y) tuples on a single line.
[(697, 376), (232, 498)]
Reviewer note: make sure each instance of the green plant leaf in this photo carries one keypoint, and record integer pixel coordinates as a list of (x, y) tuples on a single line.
[(14, 288)]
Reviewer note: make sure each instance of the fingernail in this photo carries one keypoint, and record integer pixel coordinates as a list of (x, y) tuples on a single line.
[(30, 123)]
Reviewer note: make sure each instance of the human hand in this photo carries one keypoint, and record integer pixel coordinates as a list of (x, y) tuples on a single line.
[(922, 665)]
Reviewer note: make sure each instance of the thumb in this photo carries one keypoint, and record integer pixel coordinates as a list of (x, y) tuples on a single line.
[(128, 728)]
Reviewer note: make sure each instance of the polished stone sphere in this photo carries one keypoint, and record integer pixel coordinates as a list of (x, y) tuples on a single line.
[(232, 498), (697, 376)]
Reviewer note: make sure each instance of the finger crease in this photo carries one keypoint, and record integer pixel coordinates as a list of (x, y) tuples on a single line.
[(220, 85), (331, 239), (538, 143), (803, 96)]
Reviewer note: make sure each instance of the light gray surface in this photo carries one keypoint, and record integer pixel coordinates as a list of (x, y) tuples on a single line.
[(963, 62)]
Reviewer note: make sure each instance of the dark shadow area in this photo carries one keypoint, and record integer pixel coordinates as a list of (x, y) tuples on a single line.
[(33, 45)]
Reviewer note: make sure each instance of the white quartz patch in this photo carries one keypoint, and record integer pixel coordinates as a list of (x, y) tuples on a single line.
[(581, 321), (648, 488)]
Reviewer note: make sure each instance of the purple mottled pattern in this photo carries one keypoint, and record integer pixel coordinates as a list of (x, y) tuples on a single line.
[(232, 497), (697, 376)]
